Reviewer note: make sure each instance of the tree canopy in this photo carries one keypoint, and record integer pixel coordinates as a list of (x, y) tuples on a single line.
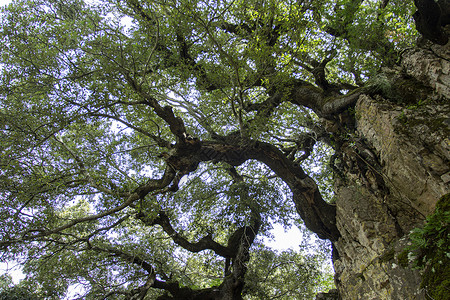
[(148, 146)]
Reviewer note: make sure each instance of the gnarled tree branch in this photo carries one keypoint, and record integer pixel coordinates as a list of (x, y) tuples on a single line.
[(205, 243)]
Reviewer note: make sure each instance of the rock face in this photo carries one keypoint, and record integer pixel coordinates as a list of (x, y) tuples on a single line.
[(396, 169)]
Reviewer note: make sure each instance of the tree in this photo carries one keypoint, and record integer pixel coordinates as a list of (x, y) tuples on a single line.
[(146, 145), (9, 291)]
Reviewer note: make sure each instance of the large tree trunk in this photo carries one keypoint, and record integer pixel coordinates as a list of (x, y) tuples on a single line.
[(392, 172)]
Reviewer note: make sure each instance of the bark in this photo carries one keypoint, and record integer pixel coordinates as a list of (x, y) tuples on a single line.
[(205, 243), (318, 215)]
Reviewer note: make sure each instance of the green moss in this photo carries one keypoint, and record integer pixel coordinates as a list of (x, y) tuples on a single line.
[(387, 256), (402, 258), (431, 122), (444, 203), (436, 280), (432, 246), (402, 118), (411, 92), (400, 90), (408, 120)]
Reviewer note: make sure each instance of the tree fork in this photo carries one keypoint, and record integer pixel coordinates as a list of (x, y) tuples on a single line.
[(319, 216)]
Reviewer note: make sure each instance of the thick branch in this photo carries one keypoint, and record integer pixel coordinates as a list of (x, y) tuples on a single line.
[(272, 32), (241, 240), (237, 250), (134, 259), (305, 94), (318, 69), (318, 215), (205, 243), (338, 104), (152, 282), (175, 123)]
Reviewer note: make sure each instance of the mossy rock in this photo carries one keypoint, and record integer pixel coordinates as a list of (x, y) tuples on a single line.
[(402, 258), (398, 89), (387, 256), (444, 203), (436, 278)]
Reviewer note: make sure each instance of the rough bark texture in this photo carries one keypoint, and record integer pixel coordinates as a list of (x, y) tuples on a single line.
[(396, 168)]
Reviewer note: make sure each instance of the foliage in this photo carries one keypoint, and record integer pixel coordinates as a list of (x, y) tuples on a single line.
[(148, 146), (9, 291), (276, 270), (271, 272), (431, 250)]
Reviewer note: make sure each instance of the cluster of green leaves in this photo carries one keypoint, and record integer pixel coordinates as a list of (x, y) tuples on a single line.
[(9, 291), (270, 272), (274, 272)]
